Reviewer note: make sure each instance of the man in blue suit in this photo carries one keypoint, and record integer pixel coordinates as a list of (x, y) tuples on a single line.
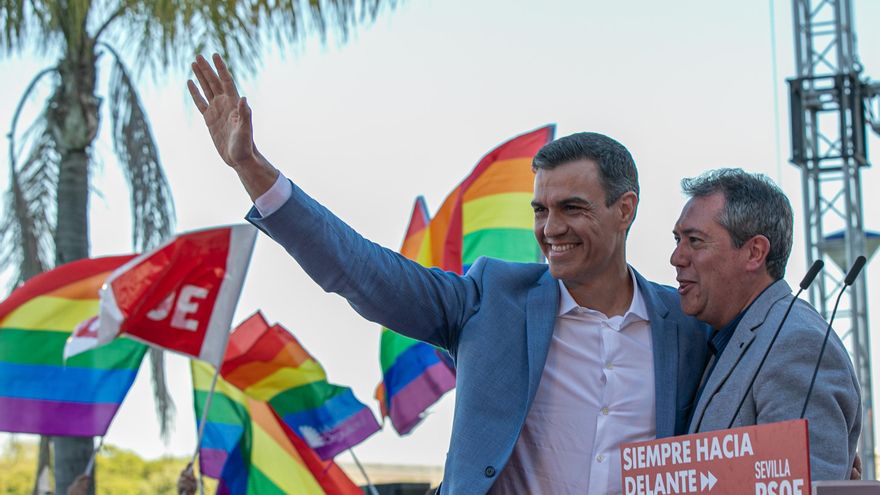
[(556, 363)]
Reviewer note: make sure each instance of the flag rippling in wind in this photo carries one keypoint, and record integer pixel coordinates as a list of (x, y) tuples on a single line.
[(181, 296), (251, 451), (268, 364), (488, 214), (414, 374), (38, 392)]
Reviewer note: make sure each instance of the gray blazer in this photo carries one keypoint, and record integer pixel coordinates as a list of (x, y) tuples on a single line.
[(496, 322), (834, 413)]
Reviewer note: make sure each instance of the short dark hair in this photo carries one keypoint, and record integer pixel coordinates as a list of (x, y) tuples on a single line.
[(754, 205), (617, 169)]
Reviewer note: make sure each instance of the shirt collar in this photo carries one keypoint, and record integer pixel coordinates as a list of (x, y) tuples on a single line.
[(637, 308), (718, 341)]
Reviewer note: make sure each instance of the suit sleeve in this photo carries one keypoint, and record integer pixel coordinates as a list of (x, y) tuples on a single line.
[(834, 411), (381, 285)]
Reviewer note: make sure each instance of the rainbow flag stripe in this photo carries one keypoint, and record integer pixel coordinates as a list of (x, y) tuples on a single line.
[(414, 374), (251, 451), (38, 393), (488, 214), (269, 364)]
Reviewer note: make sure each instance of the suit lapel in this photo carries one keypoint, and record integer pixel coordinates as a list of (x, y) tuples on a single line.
[(738, 346), (664, 343), (541, 307)]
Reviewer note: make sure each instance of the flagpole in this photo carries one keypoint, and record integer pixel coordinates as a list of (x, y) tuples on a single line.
[(372, 488), (91, 465), (204, 418)]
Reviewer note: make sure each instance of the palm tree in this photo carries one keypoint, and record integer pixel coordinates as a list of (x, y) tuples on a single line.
[(45, 221)]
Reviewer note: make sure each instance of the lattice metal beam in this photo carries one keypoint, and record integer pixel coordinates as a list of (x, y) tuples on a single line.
[(828, 108)]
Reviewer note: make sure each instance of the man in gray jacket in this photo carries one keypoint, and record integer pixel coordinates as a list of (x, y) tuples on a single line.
[(733, 240)]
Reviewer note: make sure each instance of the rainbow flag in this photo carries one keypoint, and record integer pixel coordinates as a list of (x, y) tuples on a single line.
[(268, 364), (414, 374), (251, 451), (38, 393), (488, 214)]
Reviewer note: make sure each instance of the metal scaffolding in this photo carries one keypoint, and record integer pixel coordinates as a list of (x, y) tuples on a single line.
[(829, 98)]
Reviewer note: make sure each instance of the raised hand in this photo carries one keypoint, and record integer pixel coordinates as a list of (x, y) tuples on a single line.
[(228, 118), (226, 114)]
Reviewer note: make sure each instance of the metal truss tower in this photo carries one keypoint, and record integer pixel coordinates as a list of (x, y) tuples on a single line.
[(829, 101)]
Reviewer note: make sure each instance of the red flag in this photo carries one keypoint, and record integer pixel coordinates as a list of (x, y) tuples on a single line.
[(84, 338), (182, 295)]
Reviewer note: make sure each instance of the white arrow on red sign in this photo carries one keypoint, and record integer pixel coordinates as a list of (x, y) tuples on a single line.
[(707, 481)]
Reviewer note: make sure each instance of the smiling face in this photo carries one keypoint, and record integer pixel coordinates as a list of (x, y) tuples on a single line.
[(712, 274), (582, 239)]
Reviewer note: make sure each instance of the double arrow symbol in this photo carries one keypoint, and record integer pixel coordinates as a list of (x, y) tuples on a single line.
[(707, 480)]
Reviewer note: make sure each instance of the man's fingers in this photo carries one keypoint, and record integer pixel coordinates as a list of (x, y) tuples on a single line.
[(244, 111), (225, 76), (197, 70), (208, 78), (200, 102)]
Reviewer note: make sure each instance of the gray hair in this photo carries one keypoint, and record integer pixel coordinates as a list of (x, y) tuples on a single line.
[(754, 205), (617, 170)]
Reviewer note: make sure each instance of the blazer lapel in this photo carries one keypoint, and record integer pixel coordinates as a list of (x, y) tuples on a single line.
[(664, 342), (737, 347), (541, 307)]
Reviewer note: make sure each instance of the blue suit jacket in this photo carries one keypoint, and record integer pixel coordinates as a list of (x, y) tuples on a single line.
[(496, 322)]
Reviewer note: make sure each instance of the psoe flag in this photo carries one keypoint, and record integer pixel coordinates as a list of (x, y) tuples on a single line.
[(182, 295), (84, 338)]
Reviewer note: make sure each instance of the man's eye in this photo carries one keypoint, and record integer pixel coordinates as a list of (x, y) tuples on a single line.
[(694, 240)]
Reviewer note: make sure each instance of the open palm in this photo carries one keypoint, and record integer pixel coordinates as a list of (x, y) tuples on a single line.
[(226, 114)]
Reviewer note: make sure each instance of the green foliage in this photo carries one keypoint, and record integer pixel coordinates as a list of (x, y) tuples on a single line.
[(18, 462), (120, 472)]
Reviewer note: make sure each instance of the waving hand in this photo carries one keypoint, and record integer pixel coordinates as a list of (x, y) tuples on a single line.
[(228, 118)]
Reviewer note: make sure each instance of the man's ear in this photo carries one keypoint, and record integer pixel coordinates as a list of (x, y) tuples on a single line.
[(627, 204), (757, 249)]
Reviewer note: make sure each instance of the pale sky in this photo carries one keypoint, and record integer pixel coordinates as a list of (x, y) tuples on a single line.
[(408, 107)]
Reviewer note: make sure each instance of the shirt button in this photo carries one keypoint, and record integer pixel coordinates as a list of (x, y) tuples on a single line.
[(604, 411), (600, 457), (490, 471), (609, 366)]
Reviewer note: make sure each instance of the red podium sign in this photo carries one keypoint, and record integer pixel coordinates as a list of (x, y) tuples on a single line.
[(769, 459)]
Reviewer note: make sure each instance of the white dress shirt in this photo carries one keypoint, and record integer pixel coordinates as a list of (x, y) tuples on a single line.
[(273, 199), (596, 392)]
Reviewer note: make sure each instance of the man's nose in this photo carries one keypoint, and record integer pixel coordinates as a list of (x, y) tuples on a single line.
[(554, 226), (677, 259)]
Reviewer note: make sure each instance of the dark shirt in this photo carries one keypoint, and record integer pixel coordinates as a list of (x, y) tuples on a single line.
[(719, 339), (718, 342)]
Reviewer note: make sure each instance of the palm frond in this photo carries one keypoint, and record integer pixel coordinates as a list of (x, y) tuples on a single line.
[(151, 202), (26, 228), (170, 33), (35, 23), (165, 409)]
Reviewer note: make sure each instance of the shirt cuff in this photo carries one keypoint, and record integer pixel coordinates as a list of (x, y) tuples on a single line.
[(273, 199)]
